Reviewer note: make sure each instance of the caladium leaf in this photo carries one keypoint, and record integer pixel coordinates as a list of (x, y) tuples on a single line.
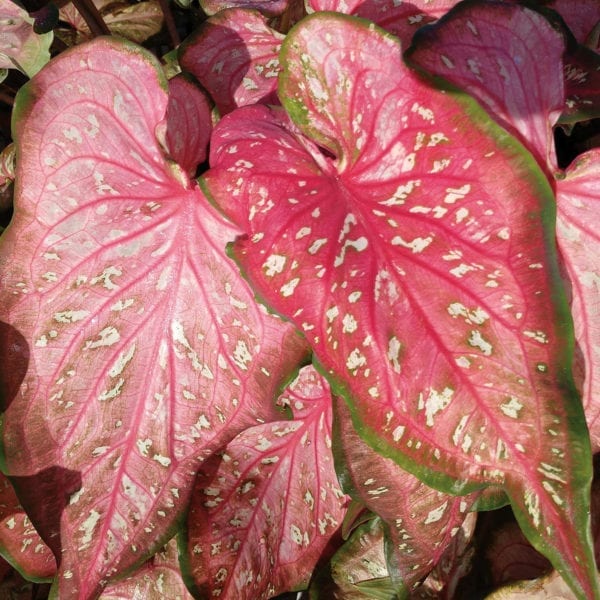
[(159, 578), (234, 55), (581, 16), (578, 239), (582, 86), (422, 521), (20, 47), (511, 558), (456, 562), (550, 587), (270, 8), (264, 511), (359, 567), (136, 22), (400, 18), (493, 51), (429, 295), (188, 123), (141, 345), (20, 543)]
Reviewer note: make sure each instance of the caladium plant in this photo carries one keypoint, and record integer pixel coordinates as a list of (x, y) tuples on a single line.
[(307, 334)]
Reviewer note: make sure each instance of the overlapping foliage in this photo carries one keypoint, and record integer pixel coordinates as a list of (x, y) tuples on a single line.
[(303, 339)]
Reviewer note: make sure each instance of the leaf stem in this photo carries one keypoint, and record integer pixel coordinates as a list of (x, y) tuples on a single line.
[(170, 22), (92, 17)]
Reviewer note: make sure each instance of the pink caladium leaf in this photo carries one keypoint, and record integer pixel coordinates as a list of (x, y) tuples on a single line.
[(20, 543), (20, 47), (188, 123), (400, 18), (270, 8), (157, 579), (139, 345), (234, 55), (578, 203), (422, 521), (430, 296), (493, 51), (264, 510)]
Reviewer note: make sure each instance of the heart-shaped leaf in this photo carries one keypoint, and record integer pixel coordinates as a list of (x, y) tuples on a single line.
[(142, 346), (264, 511), (234, 55), (579, 243), (508, 57), (429, 293)]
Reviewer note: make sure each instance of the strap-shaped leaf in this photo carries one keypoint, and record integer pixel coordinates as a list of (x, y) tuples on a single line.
[(264, 511), (141, 345), (508, 57), (420, 263), (234, 55), (578, 201)]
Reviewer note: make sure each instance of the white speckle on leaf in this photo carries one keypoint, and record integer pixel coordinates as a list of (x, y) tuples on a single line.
[(274, 264), (288, 288), (476, 340), (436, 514), (511, 408), (106, 337), (436, 402)]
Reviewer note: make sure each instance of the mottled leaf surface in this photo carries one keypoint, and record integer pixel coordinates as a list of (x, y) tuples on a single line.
[(506, 56), (582, 85), (20, 47), (270, 8), (422, 522), (188, 123), (264, 510), (359, 568), (139, 344), (136, 22), (158, 579), (578, 201), (428, 292), (234, 55), (20, 543), (400, 18)]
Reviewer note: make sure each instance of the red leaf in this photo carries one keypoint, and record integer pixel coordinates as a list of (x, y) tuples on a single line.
[(422, 521), (506, 56), (234, 55), (578, 203), (582, 85), (158, 579), (142, 346), (270, 8), (581, 16), (188, 123), (400, 18), (19, 541), (429, 294), (264, 511)]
